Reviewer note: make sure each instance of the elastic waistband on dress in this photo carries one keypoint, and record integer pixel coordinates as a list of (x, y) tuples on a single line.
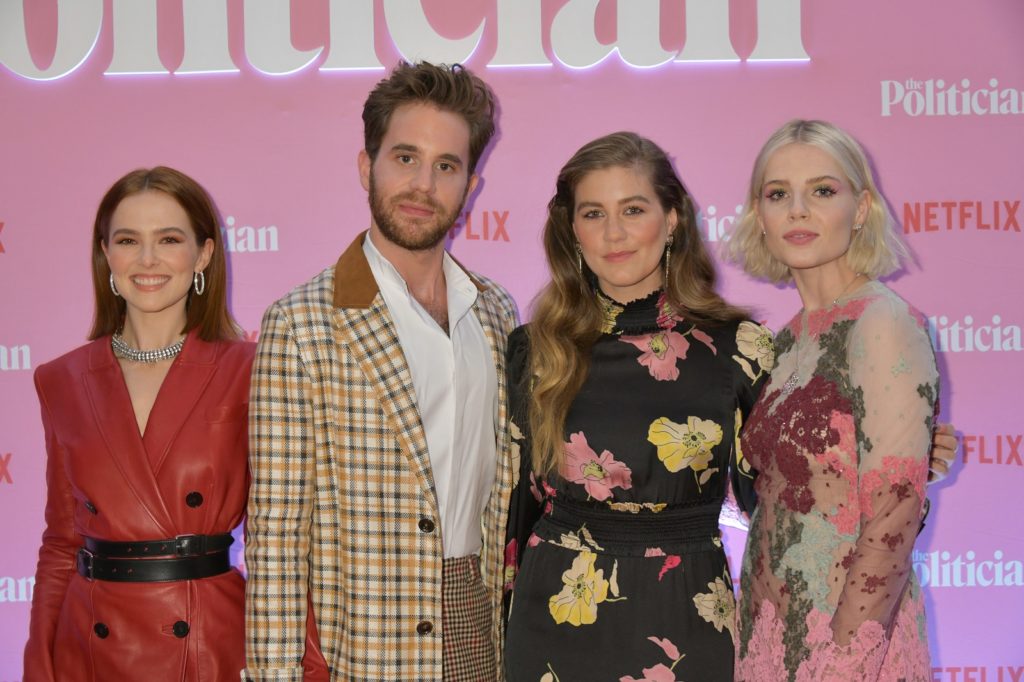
[(671, 525)]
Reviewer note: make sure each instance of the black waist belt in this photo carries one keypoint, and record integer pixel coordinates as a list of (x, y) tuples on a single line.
[(186, 557)]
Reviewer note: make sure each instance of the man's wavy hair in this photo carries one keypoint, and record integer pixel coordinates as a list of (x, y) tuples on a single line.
[(449, 88)]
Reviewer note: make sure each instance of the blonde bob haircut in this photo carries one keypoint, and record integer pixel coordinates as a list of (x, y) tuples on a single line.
[(875, 250)]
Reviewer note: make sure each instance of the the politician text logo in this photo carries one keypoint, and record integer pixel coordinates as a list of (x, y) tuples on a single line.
[(951, 335), (717, 225), (970, 569), (936, 97), (13, 358), (248, 239), (16, 589), (996, 215)]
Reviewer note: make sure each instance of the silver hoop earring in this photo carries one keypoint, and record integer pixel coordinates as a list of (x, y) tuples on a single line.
[(668, 256), (114, 288), (199, 282)]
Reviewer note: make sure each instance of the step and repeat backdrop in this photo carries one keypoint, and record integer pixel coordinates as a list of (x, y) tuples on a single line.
[(260, 100)]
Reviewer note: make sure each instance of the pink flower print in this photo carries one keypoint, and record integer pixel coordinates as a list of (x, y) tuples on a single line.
[(510, 564), (661, 350), (667, 317), (671, 561), (659, 673), (598, 475)]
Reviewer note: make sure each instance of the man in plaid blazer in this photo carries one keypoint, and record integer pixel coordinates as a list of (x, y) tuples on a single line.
[(378, 426)]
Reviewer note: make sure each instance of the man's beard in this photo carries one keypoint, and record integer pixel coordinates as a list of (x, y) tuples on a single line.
[(420, 237)]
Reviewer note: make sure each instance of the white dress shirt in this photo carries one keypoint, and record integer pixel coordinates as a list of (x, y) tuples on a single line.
[(456, 384)]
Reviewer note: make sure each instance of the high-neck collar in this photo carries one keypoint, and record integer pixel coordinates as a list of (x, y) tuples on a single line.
[(641, 316)]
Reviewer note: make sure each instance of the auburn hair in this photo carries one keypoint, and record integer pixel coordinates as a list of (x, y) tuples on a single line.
[(207, 313)]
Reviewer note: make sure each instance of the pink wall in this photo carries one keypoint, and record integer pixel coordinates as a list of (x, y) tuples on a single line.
[(278, 153)]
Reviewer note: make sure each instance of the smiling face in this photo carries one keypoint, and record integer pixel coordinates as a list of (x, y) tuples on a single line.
[(807, 209), (622, 229), (419, 181), (153, 254)]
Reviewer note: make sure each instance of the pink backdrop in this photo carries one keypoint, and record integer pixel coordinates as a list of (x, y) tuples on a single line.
[(260, 101)]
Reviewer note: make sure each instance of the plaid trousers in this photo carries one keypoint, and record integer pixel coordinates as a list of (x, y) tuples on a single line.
[(466, 622)]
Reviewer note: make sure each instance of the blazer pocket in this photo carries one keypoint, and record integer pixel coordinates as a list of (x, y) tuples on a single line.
[(227, 413)]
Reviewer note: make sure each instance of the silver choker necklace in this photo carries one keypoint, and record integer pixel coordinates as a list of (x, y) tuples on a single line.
[(123, 350)]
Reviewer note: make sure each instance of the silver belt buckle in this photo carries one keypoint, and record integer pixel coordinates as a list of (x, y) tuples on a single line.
[(85, 558)]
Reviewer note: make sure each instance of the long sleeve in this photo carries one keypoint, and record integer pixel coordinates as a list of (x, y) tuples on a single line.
[(754, 360), (895, 385), (282, 460), (525, 505), (56, 555)]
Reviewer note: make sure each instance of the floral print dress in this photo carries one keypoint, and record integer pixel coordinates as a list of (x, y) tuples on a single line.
[(841, 438), (615, 565)]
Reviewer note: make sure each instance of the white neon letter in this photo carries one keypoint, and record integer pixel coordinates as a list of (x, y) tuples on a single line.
[(519, 34), (778, 31), (351, 37), (135, 38), (78, 28), (417, 40), (206, 38), (268, 38), (638, 40), (707, 33)]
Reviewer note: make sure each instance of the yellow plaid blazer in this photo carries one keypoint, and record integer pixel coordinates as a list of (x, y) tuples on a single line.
[(341, 478)]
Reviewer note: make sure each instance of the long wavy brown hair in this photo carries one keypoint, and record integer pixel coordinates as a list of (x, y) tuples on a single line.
[(568, 317)]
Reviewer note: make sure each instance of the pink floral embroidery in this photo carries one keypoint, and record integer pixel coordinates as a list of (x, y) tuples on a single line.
[(597, 474), (821, 320), (661, 351), (533, 540), (838, 460), (898, 472), (654, 551)]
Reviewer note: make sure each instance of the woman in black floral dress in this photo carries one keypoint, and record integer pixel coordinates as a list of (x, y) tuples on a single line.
[(627, 392)]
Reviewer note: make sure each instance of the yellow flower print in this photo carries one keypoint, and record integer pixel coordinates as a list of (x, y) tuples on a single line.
[(610, 310), (684, 445), (754, 342), (514, 447), (718, 606), (583, 589)]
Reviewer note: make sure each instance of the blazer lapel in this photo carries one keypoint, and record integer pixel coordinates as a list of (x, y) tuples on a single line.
[(115, 421), (179, 394), (364, 326), (489, 319)]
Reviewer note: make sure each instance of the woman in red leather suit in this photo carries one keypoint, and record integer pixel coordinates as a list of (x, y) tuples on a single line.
[(146, 442)]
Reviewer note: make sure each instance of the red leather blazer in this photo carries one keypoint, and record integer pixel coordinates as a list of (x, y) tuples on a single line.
[(187, 474)]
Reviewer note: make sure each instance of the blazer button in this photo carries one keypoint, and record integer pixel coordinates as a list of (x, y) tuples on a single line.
[(180, 629), (91, 507), (194, 499), (101, 630), (426, 525), (424, 627)]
